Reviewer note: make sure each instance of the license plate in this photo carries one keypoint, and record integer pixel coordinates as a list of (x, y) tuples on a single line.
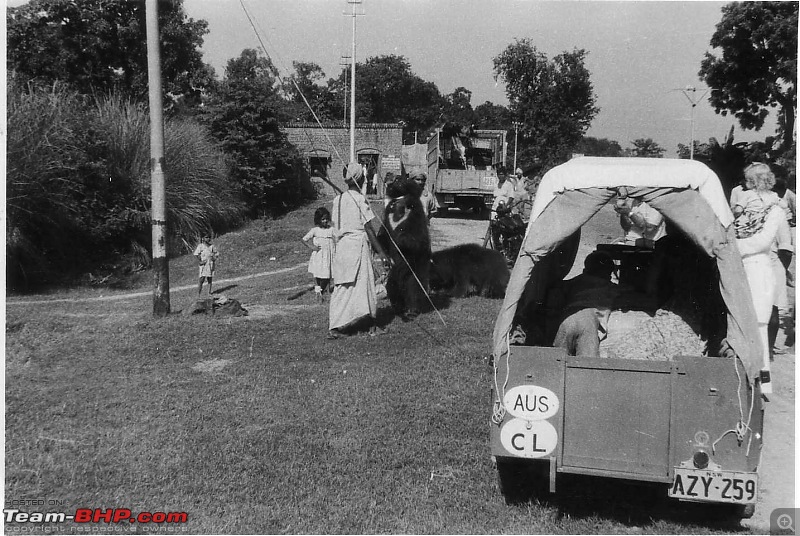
[(714, 486)]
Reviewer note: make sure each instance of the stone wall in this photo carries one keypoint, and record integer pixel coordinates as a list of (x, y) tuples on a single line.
[(327, 149)]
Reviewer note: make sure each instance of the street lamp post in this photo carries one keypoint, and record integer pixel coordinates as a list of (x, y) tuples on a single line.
[(516, 124), (161, 303), (694, 102), (354, 4), (345, 63)]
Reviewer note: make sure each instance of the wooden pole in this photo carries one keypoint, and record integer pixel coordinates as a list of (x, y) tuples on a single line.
[(161, 306)]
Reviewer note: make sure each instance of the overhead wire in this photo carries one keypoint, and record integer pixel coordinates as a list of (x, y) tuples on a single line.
[(333, 146)]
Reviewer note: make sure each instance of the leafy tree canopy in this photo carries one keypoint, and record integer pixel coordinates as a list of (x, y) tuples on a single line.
[(307, 84), (646, 148), (492, 116), (554, 99), (458, 109), (99, 45), (245, 116), (757, 69), (598, 147), (389, 92)]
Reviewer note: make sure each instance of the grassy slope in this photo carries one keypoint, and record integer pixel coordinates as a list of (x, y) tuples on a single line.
[(258, 424)]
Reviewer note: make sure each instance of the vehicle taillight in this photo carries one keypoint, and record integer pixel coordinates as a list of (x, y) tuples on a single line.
[(700, 459)]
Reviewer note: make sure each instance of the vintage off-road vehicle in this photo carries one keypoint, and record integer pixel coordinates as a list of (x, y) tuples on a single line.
[(690, 421)]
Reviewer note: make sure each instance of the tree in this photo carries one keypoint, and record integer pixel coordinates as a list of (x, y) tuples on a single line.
[(100, 45), (387, 91), (598, 147), (758, 67), (646, 148), (459, 109), (554, 99), (492, 116), (245, 116), (308, 81), (701, 150)]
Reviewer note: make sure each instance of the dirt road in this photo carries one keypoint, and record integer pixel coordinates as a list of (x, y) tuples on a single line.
[(777, 471)]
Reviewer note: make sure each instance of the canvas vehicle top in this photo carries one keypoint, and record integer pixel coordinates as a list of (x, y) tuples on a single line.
[(657, 410)]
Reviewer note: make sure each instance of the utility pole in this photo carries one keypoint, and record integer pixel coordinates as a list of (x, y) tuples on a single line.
[(516, 124), (344, 63), (158, 208), (354, 13), (694, 102)]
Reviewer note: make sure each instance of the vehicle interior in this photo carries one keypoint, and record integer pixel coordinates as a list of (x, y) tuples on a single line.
[(670, 303)]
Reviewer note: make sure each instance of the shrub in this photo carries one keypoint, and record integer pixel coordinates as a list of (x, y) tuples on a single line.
[(43, 153), (78, 183)]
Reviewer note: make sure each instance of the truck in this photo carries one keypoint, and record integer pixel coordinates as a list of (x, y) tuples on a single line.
[(462, 166), (691, 422)]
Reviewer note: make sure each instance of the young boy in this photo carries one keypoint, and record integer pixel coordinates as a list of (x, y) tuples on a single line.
[(207, 256)]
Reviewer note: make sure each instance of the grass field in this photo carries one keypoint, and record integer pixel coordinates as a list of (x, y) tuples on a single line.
[(259, 425)]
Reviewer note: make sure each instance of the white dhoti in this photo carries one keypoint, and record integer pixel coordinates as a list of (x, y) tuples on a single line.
[(354, 295)]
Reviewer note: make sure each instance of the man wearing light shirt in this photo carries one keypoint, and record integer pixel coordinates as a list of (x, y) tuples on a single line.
[(505, 193), (428, 203)]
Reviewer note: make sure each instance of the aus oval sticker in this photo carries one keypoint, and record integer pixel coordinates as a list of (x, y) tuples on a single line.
[(531, 402), (528, 439)]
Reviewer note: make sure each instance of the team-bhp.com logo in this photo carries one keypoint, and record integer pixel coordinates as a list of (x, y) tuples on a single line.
[(94, 515)]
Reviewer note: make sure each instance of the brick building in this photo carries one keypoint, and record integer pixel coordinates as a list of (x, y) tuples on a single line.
[(327, 149)]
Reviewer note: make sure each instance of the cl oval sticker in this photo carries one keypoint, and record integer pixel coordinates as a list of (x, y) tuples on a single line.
[(531, 402), (526, 439)]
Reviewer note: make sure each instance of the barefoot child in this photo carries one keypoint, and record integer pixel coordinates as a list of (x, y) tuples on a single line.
[(207, 256), (320, 241)]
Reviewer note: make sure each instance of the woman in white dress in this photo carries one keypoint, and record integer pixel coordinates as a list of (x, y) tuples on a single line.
[(354, 296)]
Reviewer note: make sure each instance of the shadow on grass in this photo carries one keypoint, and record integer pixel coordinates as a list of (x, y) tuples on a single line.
[(627, 502), (223, 289)]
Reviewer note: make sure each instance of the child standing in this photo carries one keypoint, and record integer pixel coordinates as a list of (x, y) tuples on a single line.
[(751, 203), (207, 256), (320, 241)]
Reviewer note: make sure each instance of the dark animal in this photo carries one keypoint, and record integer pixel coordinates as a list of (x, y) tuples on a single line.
[(469, 269), (406, 239)]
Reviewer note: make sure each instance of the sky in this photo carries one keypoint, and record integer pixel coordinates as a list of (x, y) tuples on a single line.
[(641, 54)]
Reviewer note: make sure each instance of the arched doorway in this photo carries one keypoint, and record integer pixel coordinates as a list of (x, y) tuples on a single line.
[(371, 159)]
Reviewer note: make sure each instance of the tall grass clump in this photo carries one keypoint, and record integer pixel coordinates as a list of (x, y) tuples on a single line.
[(43, 157), (78, 184), (200, 197)]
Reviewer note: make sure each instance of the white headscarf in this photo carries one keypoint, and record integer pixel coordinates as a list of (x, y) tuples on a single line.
[(354, 174)]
